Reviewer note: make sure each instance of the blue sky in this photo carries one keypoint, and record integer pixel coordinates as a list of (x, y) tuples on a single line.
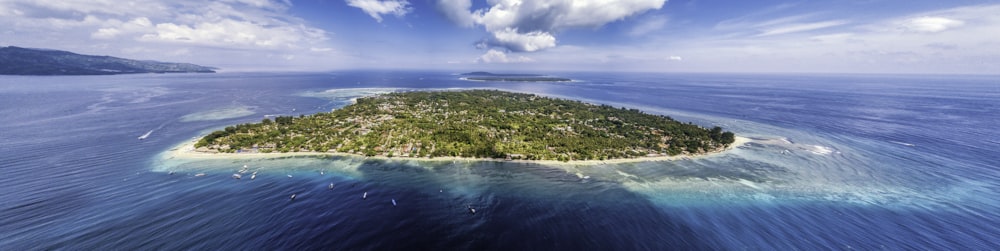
[(853, 36)]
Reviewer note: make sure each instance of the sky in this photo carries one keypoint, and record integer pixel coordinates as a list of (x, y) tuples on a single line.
[(760, 36)]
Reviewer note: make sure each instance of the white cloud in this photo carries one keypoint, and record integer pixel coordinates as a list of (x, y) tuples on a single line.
[(495, 56), (833, 38), (930, 24), (113, 28), (231, 33), (190, 22), (542, 18), (457, 11), (87, 7), (801, 27), (9, 11), (262, 3), (861, 46), (531, 41), (752, 24), (219, 33), (377, 8), (106, 33), (648, 25)]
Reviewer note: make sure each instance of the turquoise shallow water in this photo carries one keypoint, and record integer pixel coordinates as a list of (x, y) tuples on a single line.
[(838, 162)]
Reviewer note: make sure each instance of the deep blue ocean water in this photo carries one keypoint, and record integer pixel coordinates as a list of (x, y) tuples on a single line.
[(868, 162)]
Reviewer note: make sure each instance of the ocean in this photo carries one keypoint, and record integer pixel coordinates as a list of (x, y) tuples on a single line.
[(867, 162)]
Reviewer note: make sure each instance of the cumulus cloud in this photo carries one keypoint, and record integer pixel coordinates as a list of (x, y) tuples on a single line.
[(495, 56), (213, 33), (534, 22), (516, 41), (227, 33), (377, 8), (227, 24), (930, 24), (113, 28), (457, 11)]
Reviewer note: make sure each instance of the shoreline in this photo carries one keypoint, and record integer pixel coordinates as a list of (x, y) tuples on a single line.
[(186, 151)]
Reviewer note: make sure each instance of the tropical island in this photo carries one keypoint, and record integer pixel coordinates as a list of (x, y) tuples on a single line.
[(488, 76), (26, 61), (472, 124)]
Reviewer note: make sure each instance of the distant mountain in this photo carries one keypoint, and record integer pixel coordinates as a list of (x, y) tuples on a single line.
[(25, 61)]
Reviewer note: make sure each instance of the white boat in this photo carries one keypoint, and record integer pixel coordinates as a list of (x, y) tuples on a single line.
[(364, 196), (330, 186), (293, 197), (237, 176), (393, 202)]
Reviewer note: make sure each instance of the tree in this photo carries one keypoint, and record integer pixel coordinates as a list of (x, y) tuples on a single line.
[(727, 138)]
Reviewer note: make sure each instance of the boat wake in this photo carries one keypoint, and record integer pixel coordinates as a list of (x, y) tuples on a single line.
[(146, 135), (902, 143)]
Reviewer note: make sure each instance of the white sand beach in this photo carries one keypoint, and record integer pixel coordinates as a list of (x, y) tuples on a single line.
[(187, 151)]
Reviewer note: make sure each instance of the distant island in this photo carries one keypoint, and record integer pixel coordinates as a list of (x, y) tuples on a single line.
[(488, 76), (472, 124), (25, 61)]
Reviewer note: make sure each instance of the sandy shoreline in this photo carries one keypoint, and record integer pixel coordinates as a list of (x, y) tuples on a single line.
[(186, 151)]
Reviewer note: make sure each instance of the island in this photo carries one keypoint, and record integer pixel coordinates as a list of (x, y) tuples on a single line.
[(488, 76), (481, 124), (27, 61)]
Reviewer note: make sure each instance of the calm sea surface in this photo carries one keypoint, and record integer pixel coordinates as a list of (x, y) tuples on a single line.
[(866, 162)]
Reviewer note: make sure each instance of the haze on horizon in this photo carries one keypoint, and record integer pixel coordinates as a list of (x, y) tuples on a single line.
[(856, 36)]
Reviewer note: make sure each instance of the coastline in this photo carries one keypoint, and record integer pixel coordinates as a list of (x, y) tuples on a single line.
[(186, 151)]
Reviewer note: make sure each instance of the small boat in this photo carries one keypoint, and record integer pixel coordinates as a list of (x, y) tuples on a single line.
[(289, 175), (171, 173), (237, 176), (472, 210), (253, 176), (199, 175), (293, 197), (393, 202), (364, 196), (330, 186), (320, 172)]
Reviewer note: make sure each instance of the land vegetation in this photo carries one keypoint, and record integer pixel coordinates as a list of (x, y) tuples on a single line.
[(473, 124)]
